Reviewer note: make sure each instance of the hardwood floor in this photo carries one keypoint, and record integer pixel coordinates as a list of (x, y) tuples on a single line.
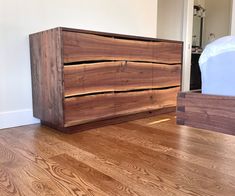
[(151, 157)]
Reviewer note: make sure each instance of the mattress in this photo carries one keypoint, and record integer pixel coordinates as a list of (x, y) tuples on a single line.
[(217, 64)]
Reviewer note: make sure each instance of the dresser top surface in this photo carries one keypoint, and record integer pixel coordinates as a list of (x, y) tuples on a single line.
[(123, 36)]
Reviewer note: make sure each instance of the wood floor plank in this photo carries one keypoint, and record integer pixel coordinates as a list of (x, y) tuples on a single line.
[(8, 185), (156, 153), (145, 157), (191, 144), (206, 136), (131, 173), (89, 174), (16, 168), (68, 182), (154, 165), (195, 164), (194, 141), (131, 179)]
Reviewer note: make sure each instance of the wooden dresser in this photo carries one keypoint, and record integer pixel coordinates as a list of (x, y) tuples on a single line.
[(81, 76)]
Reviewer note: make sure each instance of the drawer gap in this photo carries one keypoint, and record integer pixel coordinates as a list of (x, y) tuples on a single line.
[(104, 61), (125, 91)]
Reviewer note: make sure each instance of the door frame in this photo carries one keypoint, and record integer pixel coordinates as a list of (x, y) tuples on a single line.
[(187, 38)]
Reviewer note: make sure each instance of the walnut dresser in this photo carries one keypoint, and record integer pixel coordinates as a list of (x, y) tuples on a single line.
[(80, 76)]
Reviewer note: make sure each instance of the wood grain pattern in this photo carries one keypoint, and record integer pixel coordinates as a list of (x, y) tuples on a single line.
[(134, 102), (7, 183), (145, 157), (211, 112), (93, 176), (122, 36), (84, 109), (90, 78), (166, 75), (83, 76), (47, 76), (109, 121), (87, 47), (166, 97), (118, 76)]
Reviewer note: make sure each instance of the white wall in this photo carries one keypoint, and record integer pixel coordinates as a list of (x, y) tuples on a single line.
[(218, 18), (19, 18), (170, 19)]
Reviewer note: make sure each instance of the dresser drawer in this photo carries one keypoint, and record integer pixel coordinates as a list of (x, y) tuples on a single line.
[(141, 101), (83, 109), (79, 47), (166, 75), (118, 76), (90, 78), (139, 76), (165, 98), (97, 107), (133, 102)]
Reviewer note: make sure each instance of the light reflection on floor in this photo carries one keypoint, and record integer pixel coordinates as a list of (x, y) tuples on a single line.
[(159, 121)]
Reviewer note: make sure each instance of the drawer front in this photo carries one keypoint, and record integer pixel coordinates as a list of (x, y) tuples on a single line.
[(118, 76), (79, 47), (135, 102), (78, 110), (166, 75), (90, 78), (137, 76), (165, 98), (83, 109)]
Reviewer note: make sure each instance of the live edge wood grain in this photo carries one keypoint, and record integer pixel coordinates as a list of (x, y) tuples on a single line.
[(82, 76), (79, 110), (88, 47), (118, 76), (47, 76), (212, 112)]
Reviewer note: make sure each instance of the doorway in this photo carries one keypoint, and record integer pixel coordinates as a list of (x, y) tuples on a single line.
[(216, 22), (175, 21)]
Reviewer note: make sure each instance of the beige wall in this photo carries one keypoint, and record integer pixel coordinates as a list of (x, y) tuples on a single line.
[(170, 19), (19, 18), (218, 18), (200, 2), (233, 19)]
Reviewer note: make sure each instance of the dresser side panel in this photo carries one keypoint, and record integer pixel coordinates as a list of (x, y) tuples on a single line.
[(47, 77)]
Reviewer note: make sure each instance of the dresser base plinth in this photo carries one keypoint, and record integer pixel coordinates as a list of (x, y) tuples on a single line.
[(111, 121)]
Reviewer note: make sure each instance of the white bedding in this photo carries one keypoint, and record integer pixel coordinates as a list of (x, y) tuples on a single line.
[(217, 64)]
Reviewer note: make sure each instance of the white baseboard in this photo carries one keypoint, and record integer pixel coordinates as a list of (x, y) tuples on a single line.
[(17, 118)]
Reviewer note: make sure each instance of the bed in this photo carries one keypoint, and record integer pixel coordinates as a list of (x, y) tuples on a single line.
[(212, 108), (217, 64)]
